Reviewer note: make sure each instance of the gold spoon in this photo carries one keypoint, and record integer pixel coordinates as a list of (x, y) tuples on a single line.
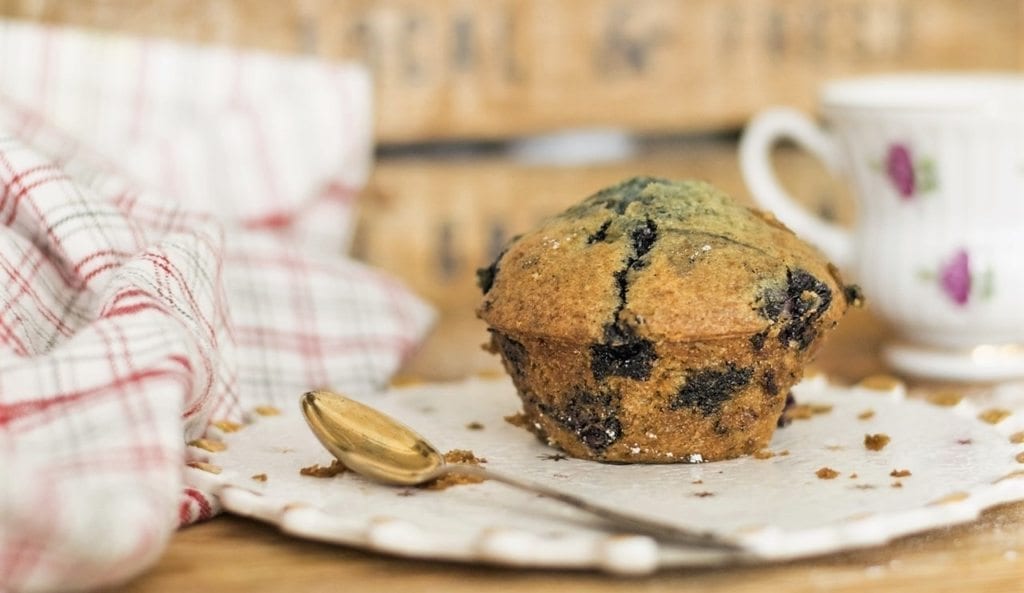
[(379, 447)]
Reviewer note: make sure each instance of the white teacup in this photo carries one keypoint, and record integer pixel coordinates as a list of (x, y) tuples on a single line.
[(936, 163)]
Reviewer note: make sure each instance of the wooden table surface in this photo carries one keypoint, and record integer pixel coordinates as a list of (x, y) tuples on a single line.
[(230, 554)]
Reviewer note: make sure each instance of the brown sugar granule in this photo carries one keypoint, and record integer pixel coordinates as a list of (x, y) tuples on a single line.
[(260, 477), (446, 481), (994, 415), (475, 426), (518, 420), (900, 473), (209, 445), (866, 415), (228, 426), (327, 471), (826, 473), (1017, 437), (763, 454), (945, 398), (267, 411), (703, 494), (876, 442)]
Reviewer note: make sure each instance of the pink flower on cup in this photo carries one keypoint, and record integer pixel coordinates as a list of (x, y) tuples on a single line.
[(958, 279), (955, 277), (900, 168), (908, 177)]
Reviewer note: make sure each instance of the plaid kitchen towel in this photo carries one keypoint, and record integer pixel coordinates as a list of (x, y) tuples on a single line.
[(171, 224)]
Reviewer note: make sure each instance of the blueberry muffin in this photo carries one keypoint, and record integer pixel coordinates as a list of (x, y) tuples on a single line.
[(658, 321)]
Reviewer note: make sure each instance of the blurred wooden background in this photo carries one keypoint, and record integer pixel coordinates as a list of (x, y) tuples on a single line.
[(457, 80)]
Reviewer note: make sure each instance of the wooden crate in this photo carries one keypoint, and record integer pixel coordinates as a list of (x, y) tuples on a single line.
[(499, 68)]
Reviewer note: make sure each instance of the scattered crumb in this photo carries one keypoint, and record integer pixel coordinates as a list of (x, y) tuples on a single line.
[(697, 482), (804, 411), (876, 442), (552, 457), (853, 476), (797, 412), (896, 484), (964, 441), (946, 398), (267, 411), (209, 445), (1020, 457), (763, 454), (405, 492), (260, 477), (783, 453), (475, 426), (562, 476), (826, 473), (446, 481), (227, 426), (900, 473), (335, 468), (518, 420), (834, 447), (463, 456), (206, 467), (865, 486), (703, 494), (994, 415), (866, 414), (1017, 437), (880, 383)]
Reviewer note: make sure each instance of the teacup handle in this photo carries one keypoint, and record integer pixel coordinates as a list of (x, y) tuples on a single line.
[(759, 137)]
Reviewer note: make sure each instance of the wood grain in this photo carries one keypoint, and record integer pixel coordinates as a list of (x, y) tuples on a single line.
[(463, 69), (230, 554)]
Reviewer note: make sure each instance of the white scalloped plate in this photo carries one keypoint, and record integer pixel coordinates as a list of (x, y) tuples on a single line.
[(777, 507)]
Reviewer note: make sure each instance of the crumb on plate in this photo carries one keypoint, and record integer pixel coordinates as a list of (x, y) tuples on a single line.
[(876, 442), (335, 468), (826, 473)]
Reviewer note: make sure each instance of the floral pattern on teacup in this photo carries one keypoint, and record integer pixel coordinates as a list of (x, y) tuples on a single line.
[(909, 177), (956, 279)]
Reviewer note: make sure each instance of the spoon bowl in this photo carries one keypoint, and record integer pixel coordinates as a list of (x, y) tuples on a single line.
[(369, 442)]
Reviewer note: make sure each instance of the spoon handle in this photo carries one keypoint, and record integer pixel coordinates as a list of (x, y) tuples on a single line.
[(626, 521)]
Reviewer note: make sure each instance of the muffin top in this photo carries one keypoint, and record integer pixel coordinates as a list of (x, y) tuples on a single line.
[(662, 260)]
